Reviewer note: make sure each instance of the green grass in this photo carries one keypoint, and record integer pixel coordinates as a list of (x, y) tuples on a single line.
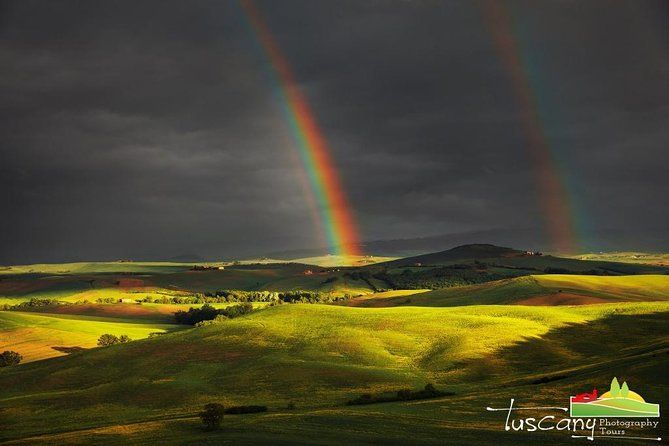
[(553, 289), (35, 335), (318, 356)]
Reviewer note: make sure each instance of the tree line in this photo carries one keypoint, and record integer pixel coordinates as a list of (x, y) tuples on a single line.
[(206, 312)]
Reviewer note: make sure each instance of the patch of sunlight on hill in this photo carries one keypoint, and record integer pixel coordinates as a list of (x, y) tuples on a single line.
[(647, 285), (35, 335), (545, 290)]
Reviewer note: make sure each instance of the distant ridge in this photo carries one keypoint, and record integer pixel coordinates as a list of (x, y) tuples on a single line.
[(462, 252)]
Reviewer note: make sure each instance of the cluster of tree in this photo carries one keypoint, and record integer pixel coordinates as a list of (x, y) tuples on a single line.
[(196, 316), (33, 303), (231, 296), (429, 391), (106, 300), (293, 296), (591, 272), (309, 297), (109, 339), (213, 413), (195, 299), (243, 296), (10, 357)]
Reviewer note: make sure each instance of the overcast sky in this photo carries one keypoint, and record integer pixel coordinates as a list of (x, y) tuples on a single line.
[(148, 129)]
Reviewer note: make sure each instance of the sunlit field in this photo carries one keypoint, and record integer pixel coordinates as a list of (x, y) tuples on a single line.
[(313, 358)]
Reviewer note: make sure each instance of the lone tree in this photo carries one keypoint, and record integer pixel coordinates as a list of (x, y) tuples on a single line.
[(107, 339), (624, 390), (212, 415), (9, 357), (124, 338)]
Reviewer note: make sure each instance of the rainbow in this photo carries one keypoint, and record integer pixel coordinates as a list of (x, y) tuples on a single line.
[(336, 216), (553, 196)]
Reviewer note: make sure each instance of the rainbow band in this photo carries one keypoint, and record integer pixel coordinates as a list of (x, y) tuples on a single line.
[(552, 192), (338, 221)]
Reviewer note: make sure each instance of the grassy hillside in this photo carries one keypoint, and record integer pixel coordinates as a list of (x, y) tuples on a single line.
[(553, 289), (40, 336), (317, 357)]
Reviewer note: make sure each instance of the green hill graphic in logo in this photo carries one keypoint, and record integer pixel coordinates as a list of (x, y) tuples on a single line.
[(618, 402)]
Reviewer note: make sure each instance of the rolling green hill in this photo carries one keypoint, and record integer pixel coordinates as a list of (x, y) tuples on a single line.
[(553, 289), (317, 357)]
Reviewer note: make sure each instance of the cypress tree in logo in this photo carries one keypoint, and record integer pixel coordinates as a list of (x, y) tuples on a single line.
[(619, 401)]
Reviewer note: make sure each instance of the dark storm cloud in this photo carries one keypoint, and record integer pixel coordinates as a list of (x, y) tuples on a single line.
[(142, 129)]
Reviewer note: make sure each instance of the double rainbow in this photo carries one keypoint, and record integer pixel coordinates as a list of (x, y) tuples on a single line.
[(335, 212)]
